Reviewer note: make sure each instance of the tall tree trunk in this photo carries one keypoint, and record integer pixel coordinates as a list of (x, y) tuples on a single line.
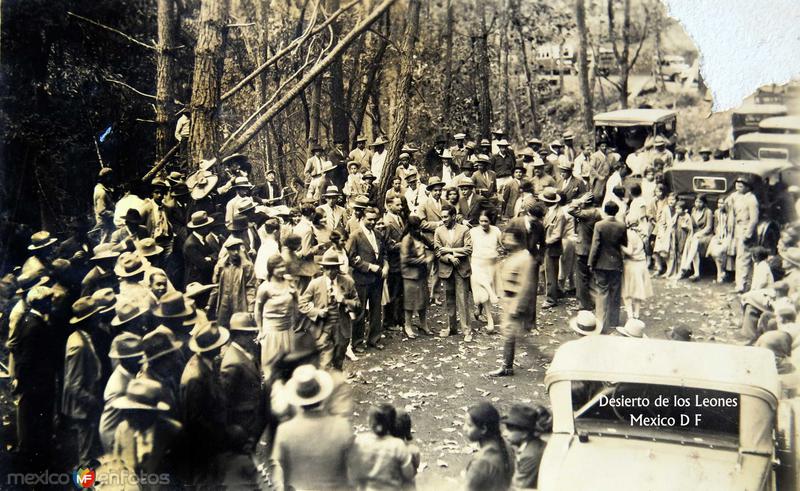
[(314, 112), (583, 66), (339, 117), (400, 122), (560, 63), (208, 63), (164, 76), (484, 75), (530, 82), (504, 48), (261, 54), (448, 66)]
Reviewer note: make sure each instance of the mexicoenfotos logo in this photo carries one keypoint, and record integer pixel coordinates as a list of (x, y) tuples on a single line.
[(84, 477)]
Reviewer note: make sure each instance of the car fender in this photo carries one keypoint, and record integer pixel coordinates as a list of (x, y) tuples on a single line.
[(787, 436)]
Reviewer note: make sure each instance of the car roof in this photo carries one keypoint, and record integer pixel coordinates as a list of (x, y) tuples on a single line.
[(759, 167), (761, 109), (780, 123), (631, 117), (716, 366), (790, 138)]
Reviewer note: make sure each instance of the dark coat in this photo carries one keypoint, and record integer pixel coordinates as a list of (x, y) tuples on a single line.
[(609, 237), (534, 238), (503, 166), (243, 391), (585, 220), (314, 301), (433, 163), (199, 259), (576, 187), (361, 255), (413, 266), (82, 373), (35, 355), (472, 211), (393, 235), (203, 412)]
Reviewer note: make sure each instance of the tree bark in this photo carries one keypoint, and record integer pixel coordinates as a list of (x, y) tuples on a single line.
[(339, 112), (484, 75), (448, 65), (314, 112), (400, 120), (372, 76), (241, 140), (583, 66), (504, 48), (164, 75), (530, 82), (209, 56)]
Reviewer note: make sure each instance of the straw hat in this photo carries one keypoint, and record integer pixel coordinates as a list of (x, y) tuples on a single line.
[(40, 240), (126, 312), (82, 309), (331, 258), (379, 141), (633, 328), (204, 185), (105, 299), (147, 247), (126, 345), (142, 394), (243, 321), (208, 337), (159, 342), (308, 386), (173, 305), (585, 323), (200, 219), (128, 264), (549, 195), (194, 289)]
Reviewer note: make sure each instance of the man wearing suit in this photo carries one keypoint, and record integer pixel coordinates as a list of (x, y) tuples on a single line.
[(503, 162), (338, 157), (430, 211), (273, 194), (511, 192), (554, 222), (483, 178), (586, 215), (393, 234), (570, 187), (334, 214), (533, 238), (198, 254), (241, 379), (433, 159), (126, 348), (517, 290), (132, 229), (328, 302), (453, 247), (470, 204), (367, 255), (605, 262)]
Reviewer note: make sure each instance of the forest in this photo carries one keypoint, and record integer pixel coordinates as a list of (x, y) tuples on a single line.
[(88, 85)]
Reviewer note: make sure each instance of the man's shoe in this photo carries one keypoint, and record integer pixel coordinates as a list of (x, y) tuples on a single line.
[(350, 355), (501, 372), (378, 346), (444, 333), (395, 328), (468, 338), (426, 330), (409, 332), (360, 349)]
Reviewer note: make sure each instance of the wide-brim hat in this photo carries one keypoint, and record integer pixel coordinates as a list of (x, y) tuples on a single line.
[(159, 342), (482, 158), (527, 152), (104, 251), (308, 386), (126, 345), (147, 247), (40, 240), (238, 223), (549, 195), (133, 216), (82, 309), (434, 182), (129, 264), (534, 141), (200, 219), (360, 201), (633, 328), (408, 148), (368, 176), (179, 189), (459, 136), (242, 321), (245, 204), (173, 305), (331, 191), (241, 182), (361, 138), (204, 186), (209, 337), (379, 141), (206, 164), (498, 131), (142, 394), (195, 288), (331, 258), (236, 157), (105, 299), (126, 312), (565, 166), (502, 142), (585, 323), (467, 182)]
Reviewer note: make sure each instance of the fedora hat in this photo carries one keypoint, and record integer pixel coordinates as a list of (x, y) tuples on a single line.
[(232, 242), (660, 141), (705, 150), (126, 345), (308, 386), (105, 171), (404, 156), (238, 223), (549, 195), (585, 323), (159, 342), (179, 189), (502, 142), (40, 240), (205, 184), (147, 247), (633, 328), (459, 136), (133, 216), (82, 309), (194, 289), (331, 191), (243, 321), (565, 165), (328, 166), (556, 143), (521, 416), (236, 157), (568, 135), (128, 264), (482, 158), (241, 182), (534, 141), (360, 201), (498, 131), (486, 143), (159, 183), (126, 312), (173, 305), (245, 204), (142, 394), (792, 256), (368, 176), (105, 299), (331, 258), (200, 219), (193, 178), (408, 148), (471, 145), (466, 183), (527, 152), (208, 337), (206, 164), (679, 333), (361, 138), (174, 177), (447, 154), (435, 181), (104, 251), (412, 176), (379, 141)]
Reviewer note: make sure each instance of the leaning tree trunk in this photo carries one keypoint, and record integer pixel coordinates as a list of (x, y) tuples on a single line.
[(484, 76), (583, 66), (164, 75), (339, 116), (208, 63), (400, 123)]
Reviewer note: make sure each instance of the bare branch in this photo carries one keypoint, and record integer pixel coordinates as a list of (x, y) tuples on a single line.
[(139, 92), (641, 42), (116, 31), (243, 24)]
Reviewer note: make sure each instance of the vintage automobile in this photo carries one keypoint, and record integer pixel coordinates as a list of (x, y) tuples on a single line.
[(768, 146), (650, 414), (745, 119), (716, 179), (672, 67), (628, 129), (780, 124)]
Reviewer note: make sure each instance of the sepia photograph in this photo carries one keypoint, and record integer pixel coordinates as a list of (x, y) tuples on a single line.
[(373, 245)]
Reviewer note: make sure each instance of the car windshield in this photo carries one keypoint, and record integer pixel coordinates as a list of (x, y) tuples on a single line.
[(687, 414)]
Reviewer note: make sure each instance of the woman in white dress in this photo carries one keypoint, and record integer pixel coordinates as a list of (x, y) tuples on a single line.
[(636, 284), (486, 248)]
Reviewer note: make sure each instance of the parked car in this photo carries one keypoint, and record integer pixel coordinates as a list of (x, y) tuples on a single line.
[(654, 415), (628, 129), (606, 64), (768, 146), (780, 124), (672, 67), (716, 178), (746, 118)]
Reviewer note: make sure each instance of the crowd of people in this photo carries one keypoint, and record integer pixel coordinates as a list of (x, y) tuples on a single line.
[(200, 320)]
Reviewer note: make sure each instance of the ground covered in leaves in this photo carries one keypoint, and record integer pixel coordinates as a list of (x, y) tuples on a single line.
[(436, 379)]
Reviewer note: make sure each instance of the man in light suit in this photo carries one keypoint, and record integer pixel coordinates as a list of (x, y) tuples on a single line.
[(367, 255), (517, 290), (511, 193), (605, 262), (453, 247), (334, 214), (430, 212), (554, 222)]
